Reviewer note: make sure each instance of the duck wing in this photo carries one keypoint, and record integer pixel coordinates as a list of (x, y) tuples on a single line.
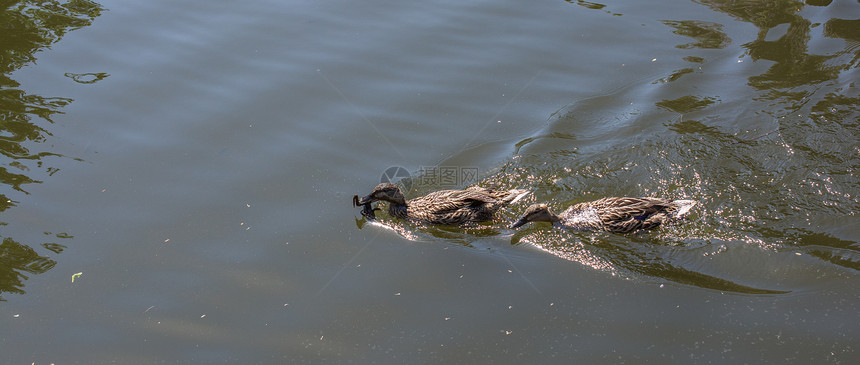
[(626, 214), (452, 206), (456, 198)]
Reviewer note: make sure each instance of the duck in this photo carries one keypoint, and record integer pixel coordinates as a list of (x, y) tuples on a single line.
[(614, 214), (444, 207)]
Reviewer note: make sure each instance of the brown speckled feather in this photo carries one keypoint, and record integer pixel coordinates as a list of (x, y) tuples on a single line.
[(617, 214), (624, 214), (451, 207), (448, 207)]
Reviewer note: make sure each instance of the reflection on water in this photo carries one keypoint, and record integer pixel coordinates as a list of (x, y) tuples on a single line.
[(708, 35), (848, 29), (28, 27), (774, 187), (414, 231), (86, 78), (19, 259), (793, 66), (592, 5), (787, 188)]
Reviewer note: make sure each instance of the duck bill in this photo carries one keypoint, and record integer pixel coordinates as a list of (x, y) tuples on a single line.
[(365, 200), (521, 222)]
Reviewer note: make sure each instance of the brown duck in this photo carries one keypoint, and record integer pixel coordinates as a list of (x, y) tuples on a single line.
[(449, 207), (621, 215)]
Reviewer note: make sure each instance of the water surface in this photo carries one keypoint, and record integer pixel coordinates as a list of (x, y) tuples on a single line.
[(195, 163)]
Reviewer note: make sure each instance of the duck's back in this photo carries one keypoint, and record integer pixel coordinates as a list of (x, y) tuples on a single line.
[(624, 214), (457, 206)]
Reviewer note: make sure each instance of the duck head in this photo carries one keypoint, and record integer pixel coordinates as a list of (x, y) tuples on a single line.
[(536, 213), (385, 192)]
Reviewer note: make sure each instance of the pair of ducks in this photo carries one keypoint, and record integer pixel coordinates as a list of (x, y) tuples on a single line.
[(477, 204)]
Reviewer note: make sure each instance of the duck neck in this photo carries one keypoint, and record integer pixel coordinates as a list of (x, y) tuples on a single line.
[(553, 218), (397, 210)]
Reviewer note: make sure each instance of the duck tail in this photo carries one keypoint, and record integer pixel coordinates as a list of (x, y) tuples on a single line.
[(683, 207), (516, 195)]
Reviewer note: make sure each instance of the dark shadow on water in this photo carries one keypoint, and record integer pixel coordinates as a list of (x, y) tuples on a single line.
[(25, 118), (630, 256), (689, 277), (831, 249)]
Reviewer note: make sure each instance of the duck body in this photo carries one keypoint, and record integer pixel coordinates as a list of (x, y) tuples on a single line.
[(446, 207), (615, 214)]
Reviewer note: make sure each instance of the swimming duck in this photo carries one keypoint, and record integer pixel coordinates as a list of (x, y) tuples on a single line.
[(620, 215), (448, 207)]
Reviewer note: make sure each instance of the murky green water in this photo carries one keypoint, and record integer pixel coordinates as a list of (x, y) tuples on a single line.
[(191, 166)]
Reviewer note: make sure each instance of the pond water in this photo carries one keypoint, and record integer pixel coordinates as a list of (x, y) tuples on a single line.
[(177, 181)]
